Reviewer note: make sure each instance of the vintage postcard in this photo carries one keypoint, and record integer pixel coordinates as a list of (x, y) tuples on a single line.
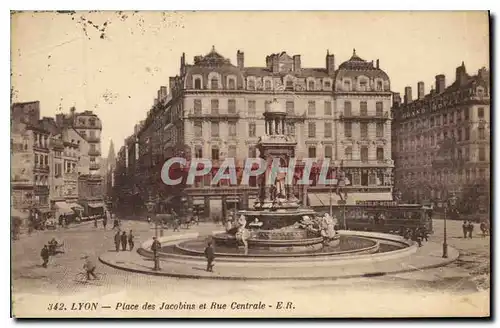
[(250, 164)]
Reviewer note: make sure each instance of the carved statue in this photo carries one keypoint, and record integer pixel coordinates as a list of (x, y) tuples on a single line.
[(242, 234), (327, 228)]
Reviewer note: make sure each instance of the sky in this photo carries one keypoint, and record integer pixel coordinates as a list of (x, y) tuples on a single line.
[(113, 63)]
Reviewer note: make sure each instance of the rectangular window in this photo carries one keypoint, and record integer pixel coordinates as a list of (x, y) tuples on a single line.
[(328, 108), (380, 130), (312, 130), (328, 130), (379, 107), (198, 152), (197, 107), (311, 108), (364, 178), (198, 129), (380, 154), (364, 130), (467, 133), (364, 154), (231, 106), (290, 107), (348, 129), (481, 133), (232, 129), (480, 113), (450, 118), (214, 103), (251, 107), (251, 130), (312, 152), (215, 129), (482, 154), (328, 151), (347, 108), (432, 122), (215, 153), (291, 129), (466, 114), (445, 119), (363, 108)]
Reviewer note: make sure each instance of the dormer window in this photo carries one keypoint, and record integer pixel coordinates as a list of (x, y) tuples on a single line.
[(363, 85), (197, 83), (379, 86), (480, 91), (251, 84), (328, 85), (310, 85), (267, 85), (347, 85), (289, 85), (231, 85), (92, 122), (214, 83), (81, 121)]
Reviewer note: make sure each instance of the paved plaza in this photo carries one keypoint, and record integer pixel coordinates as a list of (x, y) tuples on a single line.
[(469, 274)]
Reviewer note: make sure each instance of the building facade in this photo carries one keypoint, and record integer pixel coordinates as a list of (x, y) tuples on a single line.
[(215, 110), (441, 140)]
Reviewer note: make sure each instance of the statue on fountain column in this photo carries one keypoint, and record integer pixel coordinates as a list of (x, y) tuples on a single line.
[(242, 234)]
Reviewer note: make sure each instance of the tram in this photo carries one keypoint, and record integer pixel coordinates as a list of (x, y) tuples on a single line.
[(383, 216)]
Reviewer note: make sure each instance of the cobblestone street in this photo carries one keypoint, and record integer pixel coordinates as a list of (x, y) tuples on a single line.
[(30, 279)]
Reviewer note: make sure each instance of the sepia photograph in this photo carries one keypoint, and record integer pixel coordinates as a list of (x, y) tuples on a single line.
[(250, 164)]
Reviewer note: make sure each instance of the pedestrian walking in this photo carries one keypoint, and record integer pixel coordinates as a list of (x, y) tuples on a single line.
[(149, 220), (89, 267), (104, 222), (45, 255), (155, 247), (115, 224), (117, 241), (210, 255), (465, 228), (130, 241), (124, 241), (95, 221), (470, 229)]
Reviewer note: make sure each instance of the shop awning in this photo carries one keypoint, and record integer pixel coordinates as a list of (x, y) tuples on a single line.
[(323, 199), (316, 199), (15, 213), (63, 208), (76, 206), (96, 205), (198, 202), (44, 210)]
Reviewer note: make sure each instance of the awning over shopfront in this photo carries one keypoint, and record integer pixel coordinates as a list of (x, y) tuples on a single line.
[(15, 213), (63, 208), (96, 205), (76, 206), (323, 199), (198, 201)]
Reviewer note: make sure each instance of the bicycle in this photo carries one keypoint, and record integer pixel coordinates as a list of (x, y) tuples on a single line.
[(81, 277)]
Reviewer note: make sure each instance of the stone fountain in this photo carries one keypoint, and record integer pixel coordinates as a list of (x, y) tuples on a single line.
[(277, 222)]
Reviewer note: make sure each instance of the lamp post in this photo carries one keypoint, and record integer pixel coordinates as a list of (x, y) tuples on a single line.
[(451, 202), (150, 205)]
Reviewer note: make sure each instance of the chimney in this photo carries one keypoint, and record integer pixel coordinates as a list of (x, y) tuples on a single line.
[(275, 63), (421, 90), (440, 83), (330, 63), (240, 58), (408, 95), (296, 63), (396, 99), (159, 97), (183, 63), (378, 64), (163, 92), (461, 75)]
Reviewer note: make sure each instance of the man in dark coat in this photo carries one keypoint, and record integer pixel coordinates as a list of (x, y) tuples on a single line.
[(117, 241), (104, 221), (470, 228), (210, 255), (155, 246), (124, 241), (45, 255), (464, 228), (130, 241)]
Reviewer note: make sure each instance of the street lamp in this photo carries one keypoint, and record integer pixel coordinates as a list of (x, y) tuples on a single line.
[(150, 205), (452, 200)]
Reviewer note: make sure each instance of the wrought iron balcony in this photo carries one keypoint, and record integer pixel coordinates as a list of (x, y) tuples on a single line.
[(94, 152)]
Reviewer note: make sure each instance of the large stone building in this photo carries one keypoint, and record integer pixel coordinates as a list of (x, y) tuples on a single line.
[(215, 110), (441, 140)]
